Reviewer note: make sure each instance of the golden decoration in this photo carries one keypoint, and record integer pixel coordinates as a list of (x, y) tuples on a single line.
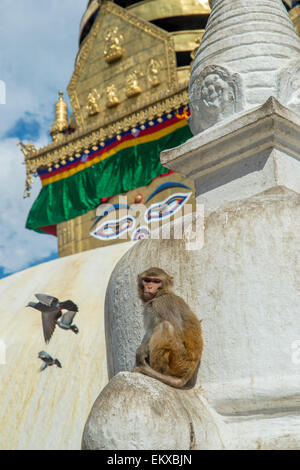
[(133, 87), (113, 50), (194, 51), (27, 149), (112, 98), (92, 63), (152, 10), (61, 119), (153, 72), (138, 198), (156, 100), (295, 17), (74, 144), (72, 122), (93, 103)]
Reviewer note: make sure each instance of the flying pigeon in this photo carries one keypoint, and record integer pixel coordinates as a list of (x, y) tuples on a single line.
[(48, 361), (65, 322), (51, 308)]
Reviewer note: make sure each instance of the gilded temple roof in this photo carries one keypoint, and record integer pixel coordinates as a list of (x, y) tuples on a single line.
[(118, 82)]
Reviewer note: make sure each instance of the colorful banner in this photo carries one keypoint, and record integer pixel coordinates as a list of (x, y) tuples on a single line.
[(126, 162)]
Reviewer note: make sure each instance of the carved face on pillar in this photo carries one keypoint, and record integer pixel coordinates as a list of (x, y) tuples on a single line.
[(215, 92), (214, 95), (289, 87)]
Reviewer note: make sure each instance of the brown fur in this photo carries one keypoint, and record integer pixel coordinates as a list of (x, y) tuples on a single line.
[(172, 348)]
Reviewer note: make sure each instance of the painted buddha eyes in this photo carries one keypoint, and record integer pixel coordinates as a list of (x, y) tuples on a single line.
[(141, 233), (166, 208), (113, 229)]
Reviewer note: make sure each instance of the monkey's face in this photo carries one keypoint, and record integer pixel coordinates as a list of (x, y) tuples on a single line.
[(150, 287)]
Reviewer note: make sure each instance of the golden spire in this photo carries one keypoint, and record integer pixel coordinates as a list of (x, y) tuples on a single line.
[(61, 119)]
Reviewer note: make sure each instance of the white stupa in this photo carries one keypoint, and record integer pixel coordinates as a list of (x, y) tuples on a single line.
[(249, 52)]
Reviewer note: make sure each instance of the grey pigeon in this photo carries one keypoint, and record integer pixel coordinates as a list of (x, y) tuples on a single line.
[(51, 308), (65, 322), (48, 360)]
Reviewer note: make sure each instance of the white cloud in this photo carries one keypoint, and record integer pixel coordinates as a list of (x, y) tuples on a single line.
[(39, 42), (18, 247)]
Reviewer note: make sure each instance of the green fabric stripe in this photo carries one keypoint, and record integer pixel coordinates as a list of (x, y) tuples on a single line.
[(128, 169)]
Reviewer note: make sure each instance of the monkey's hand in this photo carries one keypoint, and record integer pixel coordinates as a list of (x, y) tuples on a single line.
[(142, 353)]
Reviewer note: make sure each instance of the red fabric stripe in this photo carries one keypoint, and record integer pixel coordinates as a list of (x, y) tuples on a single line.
[(151, 130)]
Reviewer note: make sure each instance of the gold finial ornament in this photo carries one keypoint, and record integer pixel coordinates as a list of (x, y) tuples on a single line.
[(113, 46), (61, 119), (133, 87)]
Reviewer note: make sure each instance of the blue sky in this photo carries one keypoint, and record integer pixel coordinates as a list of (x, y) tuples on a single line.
[(39, 42)]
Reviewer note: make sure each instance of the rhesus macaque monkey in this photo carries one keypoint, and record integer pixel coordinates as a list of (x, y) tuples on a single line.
[(172, 346)]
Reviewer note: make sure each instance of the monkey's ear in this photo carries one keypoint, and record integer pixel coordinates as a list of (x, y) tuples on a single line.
[(171, 281)]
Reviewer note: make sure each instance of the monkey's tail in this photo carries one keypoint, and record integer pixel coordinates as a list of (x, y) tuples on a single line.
[(176, 382)]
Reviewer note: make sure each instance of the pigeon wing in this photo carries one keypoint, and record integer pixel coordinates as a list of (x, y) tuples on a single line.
[(43, 367), (49, 323), (57, 362), (48, 300), (68, 305), (67, 317)]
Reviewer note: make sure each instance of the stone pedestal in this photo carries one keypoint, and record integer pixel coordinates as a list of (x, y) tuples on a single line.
[(257, 151)]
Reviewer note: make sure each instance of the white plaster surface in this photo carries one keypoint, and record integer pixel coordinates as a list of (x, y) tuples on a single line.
[(48, 410)]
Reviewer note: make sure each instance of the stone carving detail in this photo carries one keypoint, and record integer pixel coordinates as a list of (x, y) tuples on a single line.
[(214, 95), (289, 87), (113, 46)]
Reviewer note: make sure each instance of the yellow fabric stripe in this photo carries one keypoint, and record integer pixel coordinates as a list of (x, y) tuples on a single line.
[(123, 145)]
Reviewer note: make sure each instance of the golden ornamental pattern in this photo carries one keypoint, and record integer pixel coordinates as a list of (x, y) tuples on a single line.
[(83, 80), (74, 145)]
